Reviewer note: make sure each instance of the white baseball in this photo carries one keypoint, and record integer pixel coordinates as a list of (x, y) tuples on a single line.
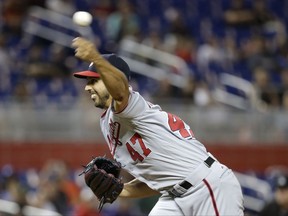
[(82, 18)]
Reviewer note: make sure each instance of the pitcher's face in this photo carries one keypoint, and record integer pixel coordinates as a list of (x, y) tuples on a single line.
[(98, 92)]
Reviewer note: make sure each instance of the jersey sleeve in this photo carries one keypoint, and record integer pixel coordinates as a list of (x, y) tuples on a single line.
[(135, 107)]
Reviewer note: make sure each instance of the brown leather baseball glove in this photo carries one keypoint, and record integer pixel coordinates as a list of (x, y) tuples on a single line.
[(102, 176)]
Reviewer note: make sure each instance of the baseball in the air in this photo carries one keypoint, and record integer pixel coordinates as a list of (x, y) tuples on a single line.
[(82, 18)]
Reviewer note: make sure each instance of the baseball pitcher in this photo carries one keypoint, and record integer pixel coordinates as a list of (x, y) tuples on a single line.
[(156, 147)]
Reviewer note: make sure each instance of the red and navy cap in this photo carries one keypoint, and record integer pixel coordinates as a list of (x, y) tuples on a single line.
[(113, 59)]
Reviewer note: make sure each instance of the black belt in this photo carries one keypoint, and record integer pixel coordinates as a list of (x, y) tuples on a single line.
[(185, 184)]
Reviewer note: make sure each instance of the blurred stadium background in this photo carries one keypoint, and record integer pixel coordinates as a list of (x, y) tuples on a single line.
[(222, 65)]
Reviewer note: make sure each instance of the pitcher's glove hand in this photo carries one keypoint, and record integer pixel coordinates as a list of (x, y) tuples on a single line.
[(102, 176)]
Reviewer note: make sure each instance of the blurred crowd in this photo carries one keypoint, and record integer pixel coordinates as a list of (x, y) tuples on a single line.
[(241, 37)]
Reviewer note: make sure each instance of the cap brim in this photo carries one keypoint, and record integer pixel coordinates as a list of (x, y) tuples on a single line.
[(85, 74)]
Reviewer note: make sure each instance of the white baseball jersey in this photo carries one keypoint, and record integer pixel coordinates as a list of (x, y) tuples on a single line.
[(159, 149), (156, 147)]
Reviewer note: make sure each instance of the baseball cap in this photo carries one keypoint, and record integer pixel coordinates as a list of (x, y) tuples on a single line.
[(282, 181), (113, 59)]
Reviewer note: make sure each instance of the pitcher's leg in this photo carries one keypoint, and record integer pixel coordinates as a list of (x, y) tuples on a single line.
[(227, 194), (233, 197), (218, 195)]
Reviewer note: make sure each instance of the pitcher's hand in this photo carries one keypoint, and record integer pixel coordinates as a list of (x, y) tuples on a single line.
[(85, 50)]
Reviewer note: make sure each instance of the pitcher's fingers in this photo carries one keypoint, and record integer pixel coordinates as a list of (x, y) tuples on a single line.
[(76, 41)]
